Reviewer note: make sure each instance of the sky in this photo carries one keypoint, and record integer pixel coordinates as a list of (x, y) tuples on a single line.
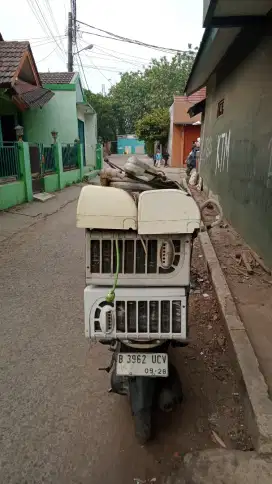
[(44, 24)]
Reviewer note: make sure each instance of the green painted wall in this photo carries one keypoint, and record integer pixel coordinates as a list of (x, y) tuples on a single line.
[(12, 194), (90, 128), (59, 114), (70, 177), (79, 91), (91, 138), (51, 183), (236, 147)]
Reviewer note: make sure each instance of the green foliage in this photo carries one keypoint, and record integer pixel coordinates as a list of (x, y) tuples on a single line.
[(154, 126), (140, 93), (106, 121)]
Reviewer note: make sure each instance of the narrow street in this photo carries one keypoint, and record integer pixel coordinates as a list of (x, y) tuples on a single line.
[(58, 423)]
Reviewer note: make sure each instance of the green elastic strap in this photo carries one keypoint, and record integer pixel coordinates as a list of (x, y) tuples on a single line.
[(111, 294)]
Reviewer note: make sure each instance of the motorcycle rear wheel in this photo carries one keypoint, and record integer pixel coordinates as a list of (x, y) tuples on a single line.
[(142, 423)]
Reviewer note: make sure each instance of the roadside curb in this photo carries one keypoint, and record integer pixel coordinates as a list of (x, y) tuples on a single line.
[(259, 408)]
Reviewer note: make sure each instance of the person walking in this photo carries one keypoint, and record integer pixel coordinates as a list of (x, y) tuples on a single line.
[(191, 160), (166, 158), (158, 158)]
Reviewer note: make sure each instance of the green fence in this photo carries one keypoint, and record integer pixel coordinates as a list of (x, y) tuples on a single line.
[(69, 156), (9, 161), (49, 160), (23, 165), (99, 157)]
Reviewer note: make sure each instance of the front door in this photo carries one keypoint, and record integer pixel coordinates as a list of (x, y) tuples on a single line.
[(8, 128), (81, 135)]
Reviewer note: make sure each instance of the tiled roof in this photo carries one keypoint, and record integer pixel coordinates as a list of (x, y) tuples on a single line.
[(56, 77), (194, 98), (32, 96), (10, 56)]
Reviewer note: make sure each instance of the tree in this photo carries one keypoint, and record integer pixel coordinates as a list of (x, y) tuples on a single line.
[(138, 93), (106, 121), (153, 127), (129, 95)]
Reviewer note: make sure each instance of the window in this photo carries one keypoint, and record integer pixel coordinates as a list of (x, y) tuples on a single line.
[(220, 108)]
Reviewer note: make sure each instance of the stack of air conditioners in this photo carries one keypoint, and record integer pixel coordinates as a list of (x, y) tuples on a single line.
[(150, 240)]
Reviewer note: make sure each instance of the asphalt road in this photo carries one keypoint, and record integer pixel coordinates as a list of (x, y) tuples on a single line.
[(58, 424)]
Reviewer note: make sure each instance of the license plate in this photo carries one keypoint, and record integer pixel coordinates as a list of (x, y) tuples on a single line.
[(142, 364)]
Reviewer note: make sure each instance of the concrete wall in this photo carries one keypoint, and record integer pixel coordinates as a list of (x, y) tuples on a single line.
[(90, 139), (236, 151), (60, 114), (177, 146), (90, 125), (51, 183), (70, 177), (12, 194)]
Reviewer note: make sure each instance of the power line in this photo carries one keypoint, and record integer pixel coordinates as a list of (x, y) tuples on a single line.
[(123, 53), (118, 52), (39, 15), (47, 3), (41, 44), (84, 75), (134, 63), (99, 35), (47, 55), (104, 68), (30, 38), (95, 68), (46, 24), (115, 59), (99, 70), (131, 41)]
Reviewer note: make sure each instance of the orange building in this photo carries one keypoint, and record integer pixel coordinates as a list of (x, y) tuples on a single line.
[(183, 129)]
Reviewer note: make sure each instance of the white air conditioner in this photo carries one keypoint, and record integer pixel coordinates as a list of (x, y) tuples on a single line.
[(137, 314), (147, 260), (106, 208)]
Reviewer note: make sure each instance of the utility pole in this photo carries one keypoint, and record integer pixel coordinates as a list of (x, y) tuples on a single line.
[(72, 34), (70, 43)]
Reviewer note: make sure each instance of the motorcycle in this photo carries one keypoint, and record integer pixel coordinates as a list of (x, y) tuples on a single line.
[(139, 232), (156, 387)]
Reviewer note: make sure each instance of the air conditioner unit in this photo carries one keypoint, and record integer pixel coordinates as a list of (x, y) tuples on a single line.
[(144, 260), (136, 314)]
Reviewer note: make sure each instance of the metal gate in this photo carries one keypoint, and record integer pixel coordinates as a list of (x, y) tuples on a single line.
[(35, 154), (42, 162)]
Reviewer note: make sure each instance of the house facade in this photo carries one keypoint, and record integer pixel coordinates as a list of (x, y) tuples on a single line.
[(234, 62), (68, 113), (21, 89), (183, 128), (44, 145)]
